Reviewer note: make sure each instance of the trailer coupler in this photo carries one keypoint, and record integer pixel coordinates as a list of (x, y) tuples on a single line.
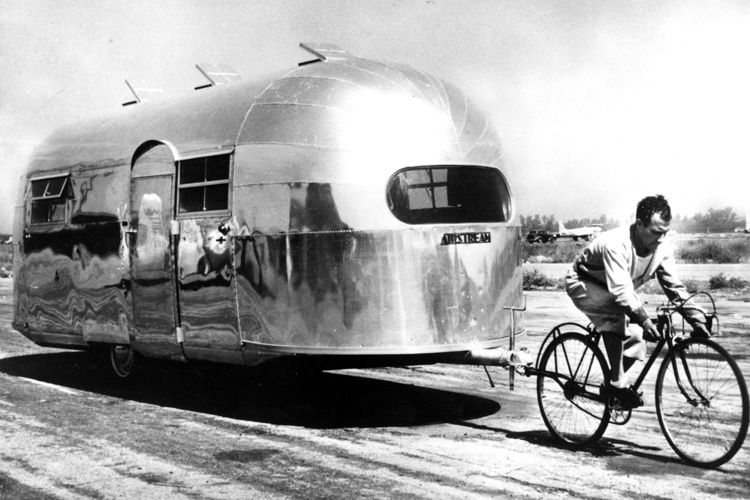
[(505, 358), (515, 359)]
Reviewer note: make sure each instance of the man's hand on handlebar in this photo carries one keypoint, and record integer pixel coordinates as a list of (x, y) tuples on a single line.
[(700, 331), (650, 332)]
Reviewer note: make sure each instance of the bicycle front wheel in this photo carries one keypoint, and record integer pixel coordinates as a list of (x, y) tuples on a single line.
[(702, 402), (569, 390)]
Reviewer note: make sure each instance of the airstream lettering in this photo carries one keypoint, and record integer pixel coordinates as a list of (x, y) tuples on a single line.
[(465, 238), (343, 210)]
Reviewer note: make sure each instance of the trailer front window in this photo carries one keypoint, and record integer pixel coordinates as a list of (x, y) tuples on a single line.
[(49, 199), (204, 184), (446, 194)]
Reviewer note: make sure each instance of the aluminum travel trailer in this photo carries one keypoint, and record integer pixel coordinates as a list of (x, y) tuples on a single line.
[(347, 211)]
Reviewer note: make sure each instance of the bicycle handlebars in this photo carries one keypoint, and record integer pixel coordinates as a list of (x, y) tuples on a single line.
[(665, 311)]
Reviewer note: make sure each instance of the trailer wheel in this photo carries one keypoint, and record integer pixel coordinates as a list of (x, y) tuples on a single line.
[(121, 358)]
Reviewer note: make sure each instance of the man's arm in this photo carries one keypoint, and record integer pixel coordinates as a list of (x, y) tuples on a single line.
[(677, 293)]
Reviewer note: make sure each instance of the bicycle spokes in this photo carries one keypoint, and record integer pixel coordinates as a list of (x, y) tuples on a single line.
[(572, 371), (680, 360), (702, 402)]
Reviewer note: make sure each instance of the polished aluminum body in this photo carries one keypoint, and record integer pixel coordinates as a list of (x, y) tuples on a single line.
[(307, 257)]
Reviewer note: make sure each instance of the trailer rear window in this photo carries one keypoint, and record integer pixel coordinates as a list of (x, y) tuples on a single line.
[(203, 184), (49, 199), (447, 194)]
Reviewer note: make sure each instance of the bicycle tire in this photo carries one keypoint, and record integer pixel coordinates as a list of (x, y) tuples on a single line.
[(573, 419), (705, 433), (556, 332)]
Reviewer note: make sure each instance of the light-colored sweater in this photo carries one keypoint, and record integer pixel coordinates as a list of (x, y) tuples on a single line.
[(610, 260)]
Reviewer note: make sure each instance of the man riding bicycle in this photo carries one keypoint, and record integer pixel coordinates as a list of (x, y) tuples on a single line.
[(602, 284)]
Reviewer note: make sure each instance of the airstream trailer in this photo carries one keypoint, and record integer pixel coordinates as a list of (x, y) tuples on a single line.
[(343, 211)]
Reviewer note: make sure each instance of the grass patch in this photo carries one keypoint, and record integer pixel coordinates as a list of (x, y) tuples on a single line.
[(653, 287), (703, 250), (715, 283), (721, 282), (717, 251), (534, 279), (6, 255), (558, 252)]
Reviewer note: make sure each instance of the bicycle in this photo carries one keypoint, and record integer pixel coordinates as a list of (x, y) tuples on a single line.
[(701, 396)]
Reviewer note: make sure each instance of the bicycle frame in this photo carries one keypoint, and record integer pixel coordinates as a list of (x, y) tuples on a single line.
[(666, 327)]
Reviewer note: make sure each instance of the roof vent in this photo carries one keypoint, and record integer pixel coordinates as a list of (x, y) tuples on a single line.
[(217, 74), (325, 52), (142, 92)]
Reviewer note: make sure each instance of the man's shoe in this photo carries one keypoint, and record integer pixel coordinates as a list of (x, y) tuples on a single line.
[(624, 398), (699, 334)]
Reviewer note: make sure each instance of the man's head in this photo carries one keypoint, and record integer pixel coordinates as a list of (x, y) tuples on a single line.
[(652, 218)]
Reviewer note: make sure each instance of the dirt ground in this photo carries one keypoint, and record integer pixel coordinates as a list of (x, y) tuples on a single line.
[(438, 431)]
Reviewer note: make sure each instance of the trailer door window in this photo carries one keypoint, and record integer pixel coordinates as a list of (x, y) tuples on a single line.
[(49, 199), (447, 194), (203, 184)]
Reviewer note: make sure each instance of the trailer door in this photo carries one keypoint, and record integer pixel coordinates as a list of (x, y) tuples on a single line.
[(152, 264), (206, 292)]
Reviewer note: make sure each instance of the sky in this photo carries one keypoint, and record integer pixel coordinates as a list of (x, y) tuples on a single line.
[(598, 103)]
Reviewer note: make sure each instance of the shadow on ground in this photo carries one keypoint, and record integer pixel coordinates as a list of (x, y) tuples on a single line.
[(607, 447), (318, 400)]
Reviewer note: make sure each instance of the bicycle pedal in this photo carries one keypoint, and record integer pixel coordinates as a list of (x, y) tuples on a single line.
[(624, 399), (619, 416)]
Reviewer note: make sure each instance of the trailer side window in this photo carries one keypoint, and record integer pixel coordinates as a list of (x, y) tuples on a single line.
[(49, 199), (446, 194), (203, 184)]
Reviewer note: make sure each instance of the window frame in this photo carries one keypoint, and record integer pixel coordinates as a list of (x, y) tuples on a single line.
[(507, 206), (204, 184), (65, 196)]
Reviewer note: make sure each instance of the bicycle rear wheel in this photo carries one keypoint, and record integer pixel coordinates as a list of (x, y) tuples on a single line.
[(705, 416), (569, 395)]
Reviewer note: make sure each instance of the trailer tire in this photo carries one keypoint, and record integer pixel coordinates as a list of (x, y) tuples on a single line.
[(121, 359)]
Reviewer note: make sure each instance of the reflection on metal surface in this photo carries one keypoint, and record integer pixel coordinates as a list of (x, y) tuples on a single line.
[(151, 260), (342, 288), (208, 310), (152, 248), (71, 282)]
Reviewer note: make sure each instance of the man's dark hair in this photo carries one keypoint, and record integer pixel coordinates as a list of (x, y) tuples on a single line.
[(651, 205)]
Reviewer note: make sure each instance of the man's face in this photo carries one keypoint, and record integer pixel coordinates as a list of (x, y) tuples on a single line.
[(653, 234)]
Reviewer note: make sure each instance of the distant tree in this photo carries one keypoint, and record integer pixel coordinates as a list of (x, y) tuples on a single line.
[(715, 221), (538, 222), (723, 220), (524, 224), (603, 221), (572, 223), (549, 223)]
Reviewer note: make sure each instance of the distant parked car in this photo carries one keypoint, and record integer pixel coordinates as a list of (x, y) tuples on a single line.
[(535, 236)]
